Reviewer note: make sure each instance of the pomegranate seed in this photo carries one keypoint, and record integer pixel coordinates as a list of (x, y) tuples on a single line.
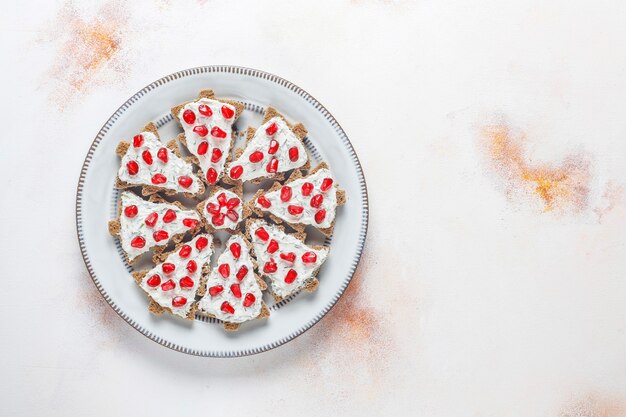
[(202, 243), (227, 112), (272, 166), (190, 223), (169, 216), (289, 257), (227, 308), (285, 193), (185, 181), (154, 280), (131, 211), (218, 133), (205, 110), (159, 179), (272, 246), (185, 251), (326, 184), (186, 282), (192, 266), (291, 276), (152, 219), (270, 266), (224, 270), (213, 291), (179, 301), (264, 202), (271, 129), (241, 274), (248, 300), (201, 130), (160, 235), (295, 210), (203, 148), (168, 285), (307, 188), (137, 141), (256, 156), (317, 200), (217, 155), (320, 216), (236, 171), (235, 249), (147, 157), (222, 199), (133, 167), (262, 234), (235, 290), (232, 215), (211, 176), (138, 242), (218, 219), (213, 208), (168, 267), (189, 116), (294, 153), (273, 147), (232, 203), (309, 257), (162, 154)]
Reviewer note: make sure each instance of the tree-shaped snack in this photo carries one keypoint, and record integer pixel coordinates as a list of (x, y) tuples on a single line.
[(234, 292), (208, 126), (302, 201), (285, 259), (172, 285), (143, 225), (148, 163), (271, 150)]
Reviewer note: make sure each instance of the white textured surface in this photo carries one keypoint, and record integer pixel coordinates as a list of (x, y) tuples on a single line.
[(470, 300)]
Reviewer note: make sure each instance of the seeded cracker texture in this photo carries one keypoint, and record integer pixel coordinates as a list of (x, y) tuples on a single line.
[(312, 283), (265, 311), (154, 307), (147, 190), (205, 217), (209, 94), (298, 129), (298, 227), (115, 228)]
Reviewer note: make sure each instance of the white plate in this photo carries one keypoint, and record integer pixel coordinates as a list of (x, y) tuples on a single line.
[(96, 203)]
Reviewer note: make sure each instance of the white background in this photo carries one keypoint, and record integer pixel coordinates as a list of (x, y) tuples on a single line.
[(472, 299)]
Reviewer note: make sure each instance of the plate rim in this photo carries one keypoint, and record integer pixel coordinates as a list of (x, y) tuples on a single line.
[(248, 72)]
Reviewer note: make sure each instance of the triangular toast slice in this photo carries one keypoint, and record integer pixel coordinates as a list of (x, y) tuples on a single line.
[(143, 225), (172, 285), (234, 292), (289, 263)]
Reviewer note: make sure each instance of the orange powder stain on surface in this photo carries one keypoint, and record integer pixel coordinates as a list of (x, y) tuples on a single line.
[(562, 187), (352, 341), (88, 52), (594, 406)]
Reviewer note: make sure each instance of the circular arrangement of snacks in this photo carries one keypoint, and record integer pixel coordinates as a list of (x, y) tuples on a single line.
[(267, 249)]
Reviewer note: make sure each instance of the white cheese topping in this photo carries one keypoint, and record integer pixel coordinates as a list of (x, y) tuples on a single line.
[(223, 212), (174, 283), (269, 258), (158, 173), (239, 289), (209, 135), (265, 150), (136, 225), (316, 202)]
